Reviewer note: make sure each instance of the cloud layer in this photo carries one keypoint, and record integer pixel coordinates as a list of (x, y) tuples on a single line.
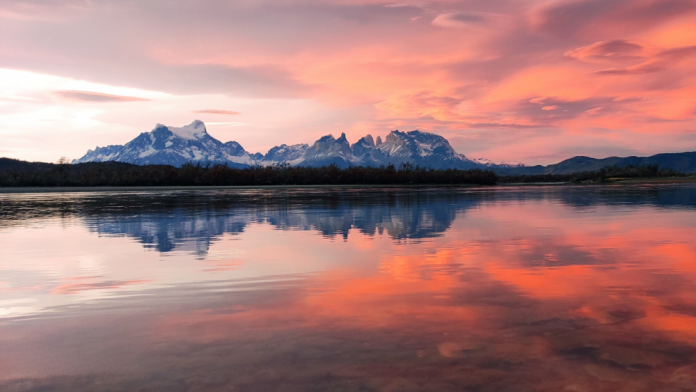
[(528, 81)]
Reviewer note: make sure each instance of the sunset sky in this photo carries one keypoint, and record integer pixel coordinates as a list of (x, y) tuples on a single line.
[(509, 80)]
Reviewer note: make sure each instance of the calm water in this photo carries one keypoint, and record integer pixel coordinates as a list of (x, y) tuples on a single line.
[(495, 289)]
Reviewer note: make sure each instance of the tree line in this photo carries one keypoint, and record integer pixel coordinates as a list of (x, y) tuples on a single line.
[(14, 173), (123, 174), (609, 173)]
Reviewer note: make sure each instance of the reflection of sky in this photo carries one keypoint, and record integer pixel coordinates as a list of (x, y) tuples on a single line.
[(586, 293)]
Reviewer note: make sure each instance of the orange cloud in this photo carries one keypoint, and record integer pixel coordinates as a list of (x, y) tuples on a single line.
[(611, 69), (616, 50)]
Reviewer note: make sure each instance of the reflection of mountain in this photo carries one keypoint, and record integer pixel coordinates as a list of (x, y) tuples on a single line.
[(187, 228), (420, 220), (168, 231), (192, 220)]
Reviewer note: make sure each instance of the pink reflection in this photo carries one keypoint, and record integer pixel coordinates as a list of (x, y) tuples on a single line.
[(534, 294)]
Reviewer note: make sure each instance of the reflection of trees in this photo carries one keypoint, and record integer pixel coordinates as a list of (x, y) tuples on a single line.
[(191, 220)]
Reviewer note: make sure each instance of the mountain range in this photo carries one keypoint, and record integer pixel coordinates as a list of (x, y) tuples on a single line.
[(191, 143)]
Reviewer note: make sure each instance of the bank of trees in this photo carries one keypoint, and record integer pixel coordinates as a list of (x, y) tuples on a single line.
[(121, 174), (14, 173), (603, 175)]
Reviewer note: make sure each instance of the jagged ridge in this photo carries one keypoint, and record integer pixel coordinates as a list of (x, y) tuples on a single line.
[(191, 143)]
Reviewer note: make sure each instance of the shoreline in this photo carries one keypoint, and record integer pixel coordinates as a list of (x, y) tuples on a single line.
[(150, 188)]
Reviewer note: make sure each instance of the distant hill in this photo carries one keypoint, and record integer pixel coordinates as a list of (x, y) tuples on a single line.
[(683, 162), (16, 165)]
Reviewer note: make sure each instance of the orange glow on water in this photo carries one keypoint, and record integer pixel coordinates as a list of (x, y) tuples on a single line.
[(505, 285)]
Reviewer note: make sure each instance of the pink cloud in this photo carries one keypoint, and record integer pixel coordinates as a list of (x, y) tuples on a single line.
[(458, 20), (473, 71), (91, 96), (607, 50), (216, 111), (659, 62)]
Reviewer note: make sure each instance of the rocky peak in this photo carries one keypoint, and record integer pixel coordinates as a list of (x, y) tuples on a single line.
[(234, 148), (342, 139), (395, 137), (284, 153), (326, 139), (363, 146), (365, 141), (191, 143)]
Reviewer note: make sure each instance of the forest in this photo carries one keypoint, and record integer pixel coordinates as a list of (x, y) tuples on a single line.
[(15, 173), (606, 174)]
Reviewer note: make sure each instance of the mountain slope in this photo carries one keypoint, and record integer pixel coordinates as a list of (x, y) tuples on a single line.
[(176, 146), (173, 146)]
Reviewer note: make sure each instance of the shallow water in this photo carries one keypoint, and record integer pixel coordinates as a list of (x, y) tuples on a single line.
[(491, 289)]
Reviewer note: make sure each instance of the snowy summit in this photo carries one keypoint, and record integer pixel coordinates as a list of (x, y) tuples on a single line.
[(176, 146)]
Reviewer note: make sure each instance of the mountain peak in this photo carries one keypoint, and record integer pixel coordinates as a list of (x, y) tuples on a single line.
[(191, 143), (193, 131), (367, 141), (395, 137), (327, 138)]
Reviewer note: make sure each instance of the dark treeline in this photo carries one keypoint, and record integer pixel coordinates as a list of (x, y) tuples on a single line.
[(14, 173), (121, 174), (609, 173)]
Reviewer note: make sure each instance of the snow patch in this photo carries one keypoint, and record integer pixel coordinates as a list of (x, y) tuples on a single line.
[(147, 152), (483, 161), (193, 131)]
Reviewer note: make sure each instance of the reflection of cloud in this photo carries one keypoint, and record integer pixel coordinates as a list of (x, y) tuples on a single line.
[(91, 96), (73, 288), (535, 289)]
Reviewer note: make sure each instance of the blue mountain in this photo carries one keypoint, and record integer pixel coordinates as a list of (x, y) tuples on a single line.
[(191, 143)]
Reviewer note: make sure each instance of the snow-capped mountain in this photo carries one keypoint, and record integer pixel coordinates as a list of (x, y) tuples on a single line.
[(502, 165), (284, 154), (191, 143), (173, 146)]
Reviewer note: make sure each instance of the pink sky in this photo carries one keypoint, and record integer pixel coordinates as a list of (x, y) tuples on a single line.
[(531, 81)]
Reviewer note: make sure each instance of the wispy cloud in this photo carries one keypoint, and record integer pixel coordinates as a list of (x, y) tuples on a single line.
[(616, 50), (458, 20), (91, 96), (615, 72), (216, 111), (659, 62)]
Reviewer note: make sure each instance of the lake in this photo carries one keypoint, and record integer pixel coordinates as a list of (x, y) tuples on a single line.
[(559, 288)]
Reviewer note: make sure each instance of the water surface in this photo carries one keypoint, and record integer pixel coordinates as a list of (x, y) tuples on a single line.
[(490, 289)]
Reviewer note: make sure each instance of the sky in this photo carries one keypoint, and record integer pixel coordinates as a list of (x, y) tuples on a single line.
[(508, 80)]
